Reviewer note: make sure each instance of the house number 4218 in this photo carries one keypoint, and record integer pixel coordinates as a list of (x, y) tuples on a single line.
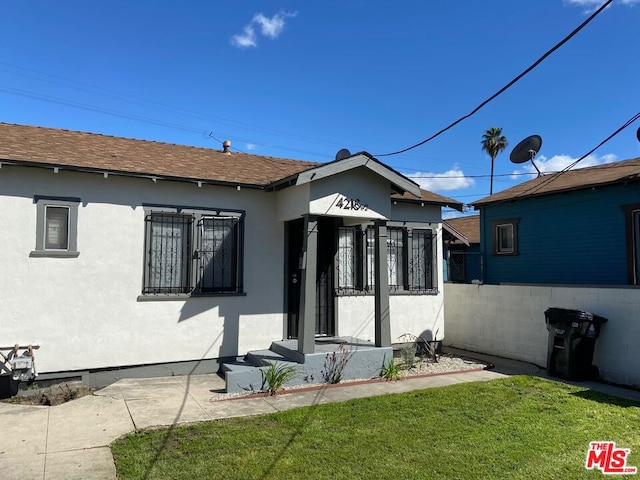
[(351, 204)]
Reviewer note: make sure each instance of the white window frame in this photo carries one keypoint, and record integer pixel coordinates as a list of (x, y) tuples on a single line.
[(511, 227)]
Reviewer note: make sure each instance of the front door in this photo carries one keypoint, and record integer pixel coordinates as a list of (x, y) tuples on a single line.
[(324, 276)]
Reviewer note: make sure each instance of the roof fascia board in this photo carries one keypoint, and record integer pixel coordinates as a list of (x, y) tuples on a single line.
[(420, 201), (483, 202), (119, 173), (356, 161), (456, 233)]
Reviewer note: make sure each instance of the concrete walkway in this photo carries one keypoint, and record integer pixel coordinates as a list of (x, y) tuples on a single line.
[(70, 441)]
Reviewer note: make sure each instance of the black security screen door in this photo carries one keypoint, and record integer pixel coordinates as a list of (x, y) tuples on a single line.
[(324, 276), (293, 281)]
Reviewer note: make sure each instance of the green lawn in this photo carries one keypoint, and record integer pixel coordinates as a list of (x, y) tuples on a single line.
[(516, 428)]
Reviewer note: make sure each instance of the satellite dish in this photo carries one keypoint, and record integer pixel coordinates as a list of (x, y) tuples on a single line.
[(344, 153), (527, 150), (638, 134)]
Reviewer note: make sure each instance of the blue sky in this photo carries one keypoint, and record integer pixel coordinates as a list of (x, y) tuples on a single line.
[(305, 79)]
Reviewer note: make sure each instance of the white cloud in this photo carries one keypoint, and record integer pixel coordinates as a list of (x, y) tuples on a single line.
[(592, 5), (251, 146), (245, 39), (453, 179), (269, 27), (447, 215), (560, 162)]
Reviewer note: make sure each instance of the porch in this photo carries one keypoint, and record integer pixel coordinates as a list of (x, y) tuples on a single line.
[(357, 358)]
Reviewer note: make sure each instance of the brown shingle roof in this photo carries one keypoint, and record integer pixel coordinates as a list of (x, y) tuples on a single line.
[(610, 173), (468, 226), (41, 146), (90, 151)]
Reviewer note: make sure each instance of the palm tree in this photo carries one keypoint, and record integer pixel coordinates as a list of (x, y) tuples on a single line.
[(493, 142)]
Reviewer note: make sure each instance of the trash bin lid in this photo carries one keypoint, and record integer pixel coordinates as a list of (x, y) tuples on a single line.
[(599, 319), (565, 315)]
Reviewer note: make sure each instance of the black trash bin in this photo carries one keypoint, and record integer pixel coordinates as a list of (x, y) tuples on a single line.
[(8, 386), (572, 339)]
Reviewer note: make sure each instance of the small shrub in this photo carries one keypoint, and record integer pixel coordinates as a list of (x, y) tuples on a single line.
[(68, 393), (408, 351), (277, 375), (390, 370), (426, 350), (335, 363)]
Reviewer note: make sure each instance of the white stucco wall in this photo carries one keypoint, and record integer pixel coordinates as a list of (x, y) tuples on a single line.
[(419, 315), (508, 321), (84, 311)]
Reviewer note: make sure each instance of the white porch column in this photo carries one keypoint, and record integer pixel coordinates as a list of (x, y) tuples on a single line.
[(307, 317), (382, 317)]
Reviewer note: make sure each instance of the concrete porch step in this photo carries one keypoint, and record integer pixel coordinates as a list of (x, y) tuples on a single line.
[(364, 360), (242, 376), (264, 358), (248, 374)]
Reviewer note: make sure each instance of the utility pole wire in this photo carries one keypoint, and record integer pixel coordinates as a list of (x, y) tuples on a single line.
[(508, 85)]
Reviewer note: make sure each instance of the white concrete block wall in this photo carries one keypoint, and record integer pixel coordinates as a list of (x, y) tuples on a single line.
[(509, 321)]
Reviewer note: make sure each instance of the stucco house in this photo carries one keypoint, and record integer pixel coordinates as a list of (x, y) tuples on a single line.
[(580, 227), (120, 253)]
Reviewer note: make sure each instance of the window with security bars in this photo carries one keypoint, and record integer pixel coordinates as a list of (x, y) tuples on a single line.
[(349, 258), (218, 254), (411, 259), (192, 253), (422, 260), (396, 256)]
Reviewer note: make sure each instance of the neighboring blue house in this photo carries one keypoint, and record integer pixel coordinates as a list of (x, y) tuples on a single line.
[(580, 227), (461, 238)]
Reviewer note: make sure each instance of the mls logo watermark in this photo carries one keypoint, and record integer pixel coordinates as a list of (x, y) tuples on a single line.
[(608, 459)]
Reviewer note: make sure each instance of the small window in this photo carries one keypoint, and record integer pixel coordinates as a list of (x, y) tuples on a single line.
[(632, 223), (56, 227), (505, 237)]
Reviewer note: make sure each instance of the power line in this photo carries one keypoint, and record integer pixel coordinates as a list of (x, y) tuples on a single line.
[(136, 100), (508, 85), (552, 178), (435, 175), (140, 118)]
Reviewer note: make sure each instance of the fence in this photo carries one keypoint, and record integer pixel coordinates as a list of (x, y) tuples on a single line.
[(508, 321)]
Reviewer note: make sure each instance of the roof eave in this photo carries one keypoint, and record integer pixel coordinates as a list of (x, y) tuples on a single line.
[(455, 205), (455, 232), (399, 182), (483, 202), (121, 173)]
